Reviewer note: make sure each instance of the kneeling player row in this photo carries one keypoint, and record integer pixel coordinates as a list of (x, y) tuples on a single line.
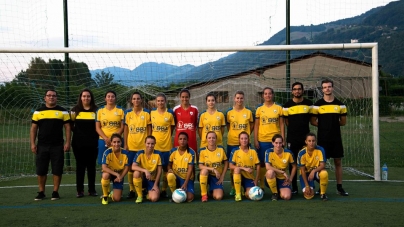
[(178, 167)]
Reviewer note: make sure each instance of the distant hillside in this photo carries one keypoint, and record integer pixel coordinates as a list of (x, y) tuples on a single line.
[(384, 25)]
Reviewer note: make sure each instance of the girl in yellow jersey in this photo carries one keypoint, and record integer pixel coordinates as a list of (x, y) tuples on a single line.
[(137, 128), (311, 162), (268, 122), (114, 168), (181, 167), (211, 120), (163, 124), (213, 164), (109, 120), (277, 161), (147, 163), (245, 164), (238, 119)]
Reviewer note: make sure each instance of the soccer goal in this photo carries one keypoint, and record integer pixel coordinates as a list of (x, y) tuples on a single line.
[(25, 74)]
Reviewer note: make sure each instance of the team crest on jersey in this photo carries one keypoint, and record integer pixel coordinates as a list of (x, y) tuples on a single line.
[(192, 113), (251, 158), (142, 117), (275, 111), (284, 160), (120, 161), (57, 113), (317, 158), (305, 108), (245, 115), (218, 154), (335, 108), (165, 119), (218, 118), (116, 113), (186, 159), (154, 161)]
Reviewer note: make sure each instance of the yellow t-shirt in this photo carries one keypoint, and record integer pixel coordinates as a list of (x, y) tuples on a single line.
[(245, 159), (137, 125), (115, 162), (281, 163), (211, 122), (110, 120), (150, 164), (239, 121), (180, 163), (213, 159), (312, 161), (268, 121), (161, 129)]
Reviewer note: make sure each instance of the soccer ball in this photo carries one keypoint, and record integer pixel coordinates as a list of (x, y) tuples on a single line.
[(179, 195), (256, 193)]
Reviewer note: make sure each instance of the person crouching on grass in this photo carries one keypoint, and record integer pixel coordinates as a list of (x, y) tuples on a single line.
[(181, 167), (147, 165), (114, 168), (311, 161), (277, 160), (244, 162)]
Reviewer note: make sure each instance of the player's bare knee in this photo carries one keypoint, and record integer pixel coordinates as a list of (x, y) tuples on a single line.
[(204, 172), (237, 170), (270, 174)]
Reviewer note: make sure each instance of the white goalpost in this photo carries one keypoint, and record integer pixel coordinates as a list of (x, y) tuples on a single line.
[(21, 74)]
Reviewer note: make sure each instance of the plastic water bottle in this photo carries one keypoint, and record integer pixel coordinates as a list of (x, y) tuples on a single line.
[(385, 172)]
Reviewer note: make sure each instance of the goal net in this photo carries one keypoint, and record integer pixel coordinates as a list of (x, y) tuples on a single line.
[(168, 70)]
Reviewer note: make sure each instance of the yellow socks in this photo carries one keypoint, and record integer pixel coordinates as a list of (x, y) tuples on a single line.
[(130, 180), (237, 183), (105, 187), (272, 185), (203, 181), (137, 182), (171, 180), (323, 181)]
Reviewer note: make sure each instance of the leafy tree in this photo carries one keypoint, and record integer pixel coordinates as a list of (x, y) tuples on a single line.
[(103, 79)]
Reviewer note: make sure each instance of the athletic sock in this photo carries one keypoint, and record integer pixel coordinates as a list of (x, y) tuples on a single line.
[(171, 180), (138, 186), (130, 180), (203, 181), (105, 186), (237, 183), (272, 185), (324, 181)]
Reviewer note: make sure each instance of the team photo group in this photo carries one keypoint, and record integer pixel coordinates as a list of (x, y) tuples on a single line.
[(157, 150)]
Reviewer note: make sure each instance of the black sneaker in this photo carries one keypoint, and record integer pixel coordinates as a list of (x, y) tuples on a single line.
[(274, 197), (324, 197), (318, 192), (144, 193), (294, 192), (163, 194), (342, 192), (55, 195), (40, 196), (131, 195), (80, 194), (94, 193)]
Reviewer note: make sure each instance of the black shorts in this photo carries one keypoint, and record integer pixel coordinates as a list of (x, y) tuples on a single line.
[(52, 153), (333, 149)]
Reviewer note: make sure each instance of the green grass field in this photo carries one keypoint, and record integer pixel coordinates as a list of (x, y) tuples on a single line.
[(369, 204)]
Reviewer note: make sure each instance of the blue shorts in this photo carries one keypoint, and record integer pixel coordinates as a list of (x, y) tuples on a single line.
[(279, 184), (311, 183), (150, 184), (180, 182), (212, 180), (230, 148), (247, 183), (165, 157), (264, 146), (116, 185), (131, 156)]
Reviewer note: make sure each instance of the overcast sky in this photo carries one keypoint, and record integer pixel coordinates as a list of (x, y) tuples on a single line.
[(162, 23)]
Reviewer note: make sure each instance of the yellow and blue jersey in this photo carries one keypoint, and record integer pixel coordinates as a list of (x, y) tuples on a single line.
[(115, 161), (239, 121), (149, 163), (161, 129), (281, 163), (213, 158), (268, 121), (211, 122), (180, 163), (137, 125), (248, 159), (312, 161), (110, 120)]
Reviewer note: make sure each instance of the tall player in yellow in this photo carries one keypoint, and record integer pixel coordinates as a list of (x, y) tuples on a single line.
[(163, 124), (181, 167), (114, 168), (211, 120), (268, 122), (213, 164), (109, 120), (245, 164), (238, 119), (147, 163), (311, 161), (277, 162), (137, 128)]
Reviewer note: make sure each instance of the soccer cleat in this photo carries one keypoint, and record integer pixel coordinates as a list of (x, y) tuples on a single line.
[(80, 194), (131, 195), (104, 200), (341, 191), (324, 197), (94, 193), (238, 198), (40, 196), (163, 194), (233, 192), (139, 199), (111, 195), (295, 192), (274, 197), (204, 198), (318, 192), (55, 195)]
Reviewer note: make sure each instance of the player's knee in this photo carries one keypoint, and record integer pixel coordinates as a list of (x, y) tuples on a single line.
[(286, 196), (136, 174), (270, 174), (323, 175), (190, 197), (117, 198), (204, 172), (237, 170), (170, 177)]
